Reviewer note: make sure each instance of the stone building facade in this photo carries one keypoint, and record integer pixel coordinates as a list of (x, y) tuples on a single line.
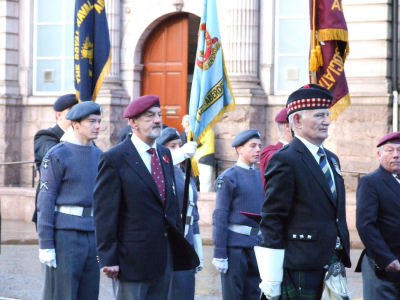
[(260, 43)]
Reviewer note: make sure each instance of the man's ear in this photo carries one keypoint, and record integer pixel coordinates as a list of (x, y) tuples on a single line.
[(132, 123), (297, 121)]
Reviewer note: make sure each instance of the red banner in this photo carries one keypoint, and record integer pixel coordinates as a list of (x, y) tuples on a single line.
[(329, 48)]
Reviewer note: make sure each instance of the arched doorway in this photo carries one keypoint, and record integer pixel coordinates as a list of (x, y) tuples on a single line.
[(168, 58)]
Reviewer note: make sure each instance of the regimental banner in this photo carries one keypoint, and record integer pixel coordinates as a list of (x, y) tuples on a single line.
[(92, 51), (211, 95), (329, 49)]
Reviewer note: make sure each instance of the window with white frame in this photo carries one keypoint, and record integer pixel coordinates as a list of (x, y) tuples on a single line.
[(292, 38), (53, 64)]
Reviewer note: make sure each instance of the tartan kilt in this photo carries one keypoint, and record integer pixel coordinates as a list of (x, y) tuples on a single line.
[(304, 285)]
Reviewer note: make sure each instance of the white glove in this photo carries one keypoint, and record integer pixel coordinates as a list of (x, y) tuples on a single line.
[(270, 266), (221, 264), (271, 291), (189, 149), (184, 152), (48, 257), (198, 247)]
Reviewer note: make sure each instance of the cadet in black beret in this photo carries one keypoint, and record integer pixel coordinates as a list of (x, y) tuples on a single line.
[(82, 110), (238, 189), (47, 138)]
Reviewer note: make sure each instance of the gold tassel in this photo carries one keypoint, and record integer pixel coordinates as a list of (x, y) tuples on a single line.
[(313, 61), (319, 56)]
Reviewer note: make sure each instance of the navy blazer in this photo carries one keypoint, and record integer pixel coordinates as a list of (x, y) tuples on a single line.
[(300, 214), (131, 223), (378, 216)]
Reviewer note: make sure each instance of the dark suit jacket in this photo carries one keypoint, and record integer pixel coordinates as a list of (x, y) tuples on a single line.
[(378, 216), (131, 222), (299, 213), (265, 156)]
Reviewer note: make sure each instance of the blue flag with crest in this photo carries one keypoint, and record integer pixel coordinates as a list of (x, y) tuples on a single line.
[(92, 51), (211, 95)]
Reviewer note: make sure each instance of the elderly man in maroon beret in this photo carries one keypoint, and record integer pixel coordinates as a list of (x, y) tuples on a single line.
[(136, 213), (378, 223), (285, 137)]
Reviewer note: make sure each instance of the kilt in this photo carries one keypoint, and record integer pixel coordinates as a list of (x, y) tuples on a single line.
[(304, 285)]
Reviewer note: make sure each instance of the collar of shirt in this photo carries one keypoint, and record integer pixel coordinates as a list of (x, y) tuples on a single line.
[(311, 147), (244, 166), (142, 148), (283, 142), (395, 177)]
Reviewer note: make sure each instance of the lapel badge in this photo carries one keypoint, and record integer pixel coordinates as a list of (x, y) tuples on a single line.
[(166, 158), (336, 166)]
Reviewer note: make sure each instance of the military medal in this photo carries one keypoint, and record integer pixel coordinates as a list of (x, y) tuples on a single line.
[(336, 165)]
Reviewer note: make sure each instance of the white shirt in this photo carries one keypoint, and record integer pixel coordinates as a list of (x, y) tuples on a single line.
[(244, 166), (395, 177), (142, 148), (314, 149)]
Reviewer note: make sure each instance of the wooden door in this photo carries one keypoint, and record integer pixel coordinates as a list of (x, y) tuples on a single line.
[(165, 59)]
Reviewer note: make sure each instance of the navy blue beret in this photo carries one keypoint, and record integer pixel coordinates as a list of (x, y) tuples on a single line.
[(310, 96), (244, 136), (168, 134), (64, 102), (82, 110)]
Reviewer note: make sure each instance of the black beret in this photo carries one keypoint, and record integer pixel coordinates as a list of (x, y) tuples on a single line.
[(82, 110), (168, 134), (244, 136), (310, 96), (64, 102)]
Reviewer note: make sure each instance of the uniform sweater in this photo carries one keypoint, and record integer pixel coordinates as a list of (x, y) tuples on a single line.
[(237, 189), (67, 177)]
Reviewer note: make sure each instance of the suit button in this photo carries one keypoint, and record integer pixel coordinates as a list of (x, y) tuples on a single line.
[(165, 234), (165, 215), (337, 220)]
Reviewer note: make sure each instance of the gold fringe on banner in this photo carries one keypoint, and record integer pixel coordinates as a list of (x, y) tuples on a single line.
[(339, 107), (103, 74)]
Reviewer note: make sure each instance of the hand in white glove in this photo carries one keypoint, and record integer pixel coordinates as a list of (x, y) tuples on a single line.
[(221, 264), (271, 290), (198, 247), (189, 149), (270, 266), (48, 257)]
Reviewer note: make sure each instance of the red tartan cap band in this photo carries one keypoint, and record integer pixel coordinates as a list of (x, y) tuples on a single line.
[(314, 103), (310, 96)]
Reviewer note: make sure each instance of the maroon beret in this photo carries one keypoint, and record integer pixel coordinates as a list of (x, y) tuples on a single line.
[(281, 117), (393, 137), (140, 105)]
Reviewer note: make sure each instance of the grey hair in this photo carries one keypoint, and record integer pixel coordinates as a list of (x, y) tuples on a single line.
[(280, 128), (290, 118)]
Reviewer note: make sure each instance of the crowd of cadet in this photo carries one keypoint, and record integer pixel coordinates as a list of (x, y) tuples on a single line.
[(279, 231)]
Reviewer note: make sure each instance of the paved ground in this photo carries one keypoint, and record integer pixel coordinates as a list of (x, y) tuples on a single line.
[(20, 270)]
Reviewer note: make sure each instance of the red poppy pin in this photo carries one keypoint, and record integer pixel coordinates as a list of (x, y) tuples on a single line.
[(166, 159)]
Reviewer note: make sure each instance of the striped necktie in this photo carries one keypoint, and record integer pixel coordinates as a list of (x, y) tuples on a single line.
[(323, 163)]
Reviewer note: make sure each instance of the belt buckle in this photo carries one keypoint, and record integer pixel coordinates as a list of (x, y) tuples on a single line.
[(87, 212)]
